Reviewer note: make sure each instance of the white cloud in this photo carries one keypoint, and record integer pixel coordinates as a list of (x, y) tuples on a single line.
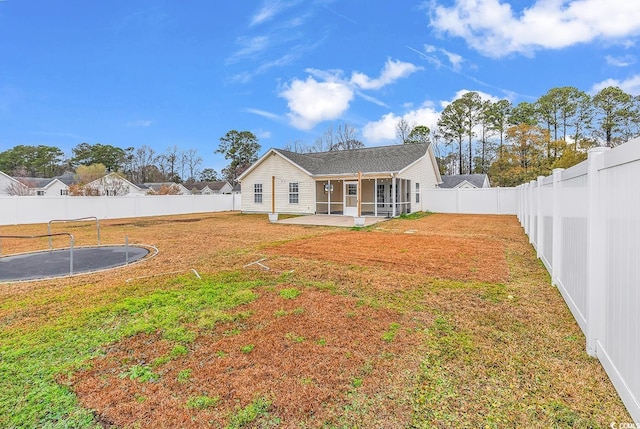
[(630, 86), (263, 134), (311, 102), (250, 47), (483, 95), (264, 114), (326, 94), (392, 71), (623, 61), (269, 9), (455, 59), (494, 29), (384, 129), (139, 123)]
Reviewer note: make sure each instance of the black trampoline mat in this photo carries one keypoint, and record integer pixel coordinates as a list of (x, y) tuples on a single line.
[(56, 263)]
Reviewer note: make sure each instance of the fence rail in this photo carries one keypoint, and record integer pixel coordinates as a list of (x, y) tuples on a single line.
[(40, 209), (584, 223)]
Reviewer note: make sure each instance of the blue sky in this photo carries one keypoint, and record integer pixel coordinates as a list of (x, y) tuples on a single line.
[(169, 72)]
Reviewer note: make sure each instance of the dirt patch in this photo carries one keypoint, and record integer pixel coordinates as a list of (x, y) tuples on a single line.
[(303, 355), (460, 258)]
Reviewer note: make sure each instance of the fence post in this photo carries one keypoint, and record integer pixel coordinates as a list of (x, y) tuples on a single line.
[(596, 276), (556, 244), (532, 194), (539, 218)]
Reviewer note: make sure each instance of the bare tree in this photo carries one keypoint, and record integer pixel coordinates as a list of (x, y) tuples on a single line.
[(144, 158), (403, 129), (193, 161), (18, 189)]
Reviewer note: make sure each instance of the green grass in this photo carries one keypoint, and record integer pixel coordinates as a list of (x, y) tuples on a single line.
[(34, 359), (249, 414), (290, 293), (202, 402), (390, 334)]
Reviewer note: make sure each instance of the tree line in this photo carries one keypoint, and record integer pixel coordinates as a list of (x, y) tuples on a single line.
[(515, 144), (511, 143), (139, 165)]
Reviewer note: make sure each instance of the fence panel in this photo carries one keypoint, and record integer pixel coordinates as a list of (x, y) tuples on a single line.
[(619, 345), (585, 224), (41, 209), (573, 234), (471, 201)]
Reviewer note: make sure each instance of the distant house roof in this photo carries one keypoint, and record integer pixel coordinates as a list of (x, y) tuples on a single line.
[(35, 182), (214, 186), (67, 178), (381, 159), (454, 181)]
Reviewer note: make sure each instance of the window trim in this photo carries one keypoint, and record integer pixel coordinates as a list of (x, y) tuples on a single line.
[(294, 193), (257, 193), (417, 192)]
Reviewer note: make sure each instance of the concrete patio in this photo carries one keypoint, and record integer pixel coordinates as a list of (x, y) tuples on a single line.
[(329, 220)]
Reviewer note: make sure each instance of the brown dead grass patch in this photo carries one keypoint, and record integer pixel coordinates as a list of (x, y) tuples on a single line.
[(523, 362), (447, 257), (307, 354)]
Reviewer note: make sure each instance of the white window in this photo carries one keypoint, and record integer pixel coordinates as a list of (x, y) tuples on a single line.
[(257, 193), (64, 192), (293, 193), (40, 193), (417, 192)]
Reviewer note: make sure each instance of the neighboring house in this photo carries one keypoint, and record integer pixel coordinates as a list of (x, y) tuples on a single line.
[(10, 186), (465, 181), (237, 188), (210, 188), (388, 181), (41, 187), (160, 188), (114, 185)]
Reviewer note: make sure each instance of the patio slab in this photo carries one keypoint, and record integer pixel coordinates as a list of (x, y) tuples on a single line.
[(330, 220)]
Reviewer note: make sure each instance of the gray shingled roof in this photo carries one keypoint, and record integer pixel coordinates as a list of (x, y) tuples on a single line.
[(381, 159), (452, 181), (34, 182), (214, 186)]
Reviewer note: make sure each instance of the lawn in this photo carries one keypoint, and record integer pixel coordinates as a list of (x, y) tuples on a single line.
[(427, 321)]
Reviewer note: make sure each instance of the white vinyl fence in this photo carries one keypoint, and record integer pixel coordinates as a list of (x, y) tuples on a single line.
[(470, 201), (584, 223), (41, 209)]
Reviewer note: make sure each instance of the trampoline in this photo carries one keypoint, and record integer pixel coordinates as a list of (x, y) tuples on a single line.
[(63, 262)]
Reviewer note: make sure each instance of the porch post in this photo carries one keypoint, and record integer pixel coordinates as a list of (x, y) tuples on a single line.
[(393, 197), (375, 197), (329, 197), (359, 194)]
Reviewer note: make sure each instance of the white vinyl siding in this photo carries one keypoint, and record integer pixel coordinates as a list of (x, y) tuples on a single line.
[(285, 173), (422, 172)]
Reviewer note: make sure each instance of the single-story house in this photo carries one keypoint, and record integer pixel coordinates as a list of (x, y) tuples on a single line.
[(31, 186), (210, 188), (465, 181), (159, 188), (375, 181), (114, 184)]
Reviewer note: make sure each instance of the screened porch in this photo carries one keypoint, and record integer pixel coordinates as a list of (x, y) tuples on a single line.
[(384, 197)]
